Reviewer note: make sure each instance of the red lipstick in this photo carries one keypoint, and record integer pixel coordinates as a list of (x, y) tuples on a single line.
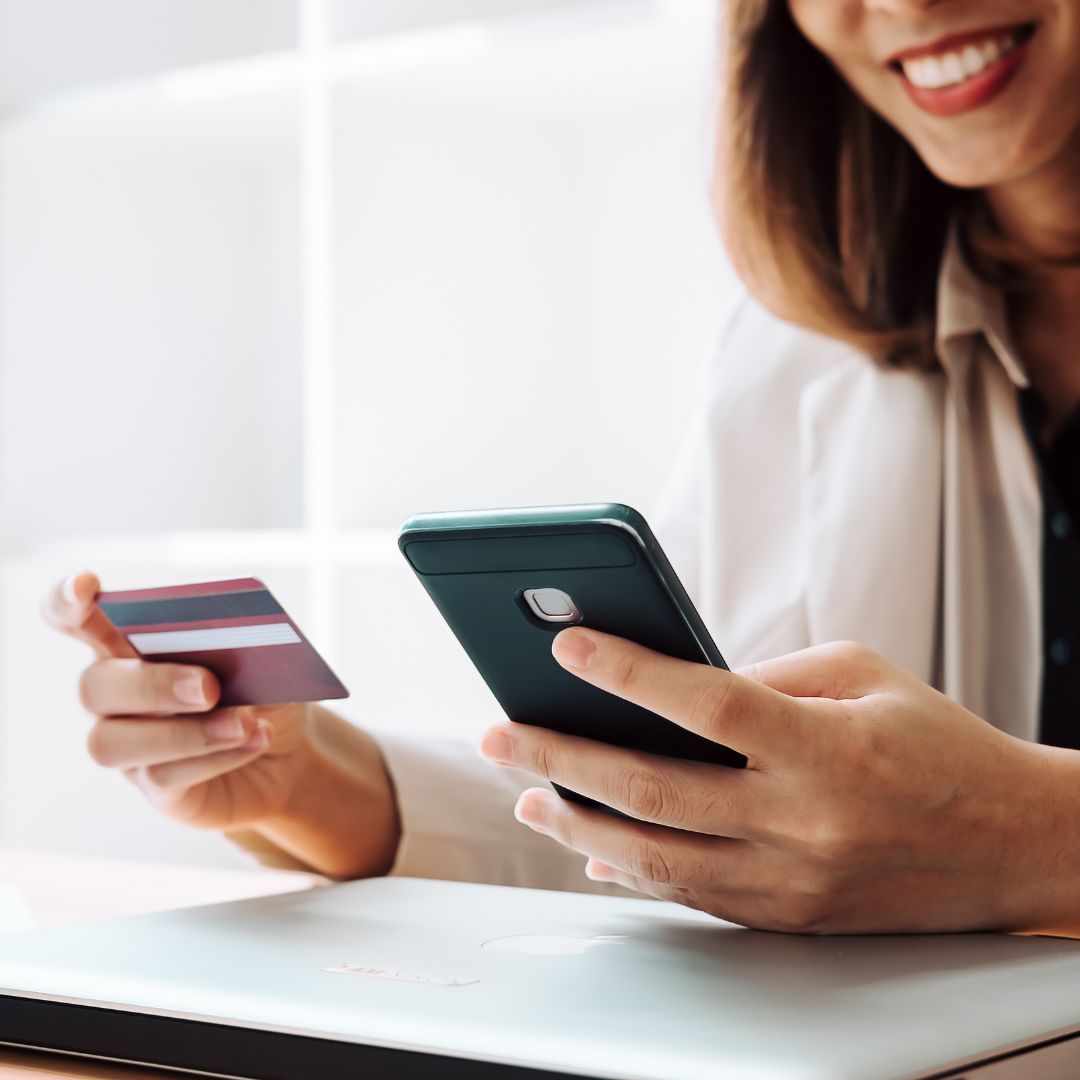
[(972, 91), (955, 42)]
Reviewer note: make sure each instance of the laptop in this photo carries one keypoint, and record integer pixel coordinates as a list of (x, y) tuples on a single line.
[(396, 977)]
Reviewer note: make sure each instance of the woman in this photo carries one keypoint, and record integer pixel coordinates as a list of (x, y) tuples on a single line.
[(898, 184)]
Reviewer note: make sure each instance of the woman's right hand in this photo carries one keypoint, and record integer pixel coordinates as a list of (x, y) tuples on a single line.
[(271, 768)]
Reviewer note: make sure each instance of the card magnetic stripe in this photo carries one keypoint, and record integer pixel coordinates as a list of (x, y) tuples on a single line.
[(184, 609), (214, 639)]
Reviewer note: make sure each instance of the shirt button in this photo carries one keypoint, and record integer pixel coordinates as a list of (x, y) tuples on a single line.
[(1060, 651), (1061, 525)]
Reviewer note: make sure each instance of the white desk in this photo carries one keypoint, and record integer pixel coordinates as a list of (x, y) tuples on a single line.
[(61, 889)]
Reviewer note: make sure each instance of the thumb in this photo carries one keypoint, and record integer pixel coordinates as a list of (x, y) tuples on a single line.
[(71, 608)]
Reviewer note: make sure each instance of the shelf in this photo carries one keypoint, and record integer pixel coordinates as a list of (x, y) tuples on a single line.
[(52, 48), (350, 20), (287, 547), (546, 57), (573, 62), (242, 109)]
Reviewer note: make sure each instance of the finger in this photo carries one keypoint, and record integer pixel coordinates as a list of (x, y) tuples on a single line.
[(693, 796), (599, 871), (126, 744), (839, 670), (113, 687), (172, 779), (667, 857), (70, 607), (720, 705), (742, 908)]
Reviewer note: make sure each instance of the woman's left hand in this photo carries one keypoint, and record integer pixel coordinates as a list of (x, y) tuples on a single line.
[(870, 802)]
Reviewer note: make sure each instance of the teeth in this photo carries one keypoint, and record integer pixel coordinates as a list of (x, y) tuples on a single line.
[(950, 68), (972, 60)]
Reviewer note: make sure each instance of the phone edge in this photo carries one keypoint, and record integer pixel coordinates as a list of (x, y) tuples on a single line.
[(620, 515)]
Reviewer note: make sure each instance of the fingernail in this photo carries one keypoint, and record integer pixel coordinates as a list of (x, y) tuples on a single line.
[(225, 729), (190, 690), (531, 810), (260, 740), (573, 649), (69, 593), (497, 746), (597, 871)]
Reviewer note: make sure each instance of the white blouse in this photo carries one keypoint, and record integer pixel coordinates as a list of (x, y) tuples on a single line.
[(818, 497)]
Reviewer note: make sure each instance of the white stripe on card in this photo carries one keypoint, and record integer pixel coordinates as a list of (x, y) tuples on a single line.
[(217, 637)]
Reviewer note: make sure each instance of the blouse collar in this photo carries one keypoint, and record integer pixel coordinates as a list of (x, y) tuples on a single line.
[(970, 309)]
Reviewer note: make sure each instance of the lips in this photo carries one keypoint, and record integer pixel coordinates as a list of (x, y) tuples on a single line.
[(963, 71)]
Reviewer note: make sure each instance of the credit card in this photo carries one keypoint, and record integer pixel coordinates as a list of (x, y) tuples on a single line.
[(236, 629)]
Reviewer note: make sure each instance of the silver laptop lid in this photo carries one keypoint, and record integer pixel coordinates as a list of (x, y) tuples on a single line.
[(582, 984)]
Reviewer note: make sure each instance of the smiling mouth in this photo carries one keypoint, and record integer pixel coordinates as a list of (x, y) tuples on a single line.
[(957, 63), (963, 71)]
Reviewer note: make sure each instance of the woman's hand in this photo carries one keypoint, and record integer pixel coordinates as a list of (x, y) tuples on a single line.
[(310, 782), (870, 802)]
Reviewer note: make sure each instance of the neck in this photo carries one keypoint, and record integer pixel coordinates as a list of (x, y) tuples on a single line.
[(1040, 215)]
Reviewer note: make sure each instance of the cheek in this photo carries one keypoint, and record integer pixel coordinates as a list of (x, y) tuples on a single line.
[(833, 27), (838, 30)]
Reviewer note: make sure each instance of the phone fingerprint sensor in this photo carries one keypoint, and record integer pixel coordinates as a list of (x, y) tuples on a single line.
[(552, 605)]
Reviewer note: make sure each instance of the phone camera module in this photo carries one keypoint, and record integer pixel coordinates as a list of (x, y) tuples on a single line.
[(552, 605)]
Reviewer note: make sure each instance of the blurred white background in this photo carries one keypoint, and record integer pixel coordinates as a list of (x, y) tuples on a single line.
[(276, 273)]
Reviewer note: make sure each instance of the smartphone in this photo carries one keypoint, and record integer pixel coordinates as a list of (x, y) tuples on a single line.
[(507, 581)]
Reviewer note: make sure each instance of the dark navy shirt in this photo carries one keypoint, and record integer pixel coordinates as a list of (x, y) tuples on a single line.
[(1059, 475)]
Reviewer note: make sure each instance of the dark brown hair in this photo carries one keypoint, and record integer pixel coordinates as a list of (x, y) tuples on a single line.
[(830, 216)]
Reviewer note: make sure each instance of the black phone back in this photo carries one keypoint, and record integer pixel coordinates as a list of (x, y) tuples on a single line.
[(477, 567)]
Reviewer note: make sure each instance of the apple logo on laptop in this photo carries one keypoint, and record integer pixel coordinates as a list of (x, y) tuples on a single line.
[(552, 944)]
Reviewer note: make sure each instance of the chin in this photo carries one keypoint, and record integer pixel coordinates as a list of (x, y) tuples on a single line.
[(962, 172), (989, 160)]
